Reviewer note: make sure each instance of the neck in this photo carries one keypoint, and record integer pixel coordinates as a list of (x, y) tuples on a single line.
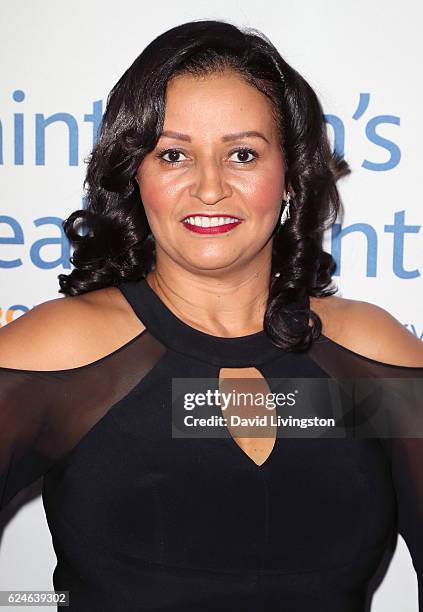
[(231, 305)]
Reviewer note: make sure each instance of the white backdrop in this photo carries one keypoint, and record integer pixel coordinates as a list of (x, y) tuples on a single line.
[(62, 58)]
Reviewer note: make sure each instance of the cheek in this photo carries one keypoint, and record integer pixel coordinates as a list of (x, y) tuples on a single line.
[(266, 190), (267, 197), (155, 194)]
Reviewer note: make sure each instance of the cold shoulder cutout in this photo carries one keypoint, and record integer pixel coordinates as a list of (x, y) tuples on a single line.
[(141, 519), (66, 333)]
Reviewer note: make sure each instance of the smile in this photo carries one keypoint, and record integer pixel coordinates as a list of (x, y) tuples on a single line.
[(210, 225)]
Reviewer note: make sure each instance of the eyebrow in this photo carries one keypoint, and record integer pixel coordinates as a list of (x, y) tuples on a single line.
[(225, 138)]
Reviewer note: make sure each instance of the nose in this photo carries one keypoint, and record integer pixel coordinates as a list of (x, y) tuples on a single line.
[(209, 184)]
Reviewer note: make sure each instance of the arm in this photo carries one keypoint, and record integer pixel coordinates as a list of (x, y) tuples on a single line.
[(373, 332), (37, 393)]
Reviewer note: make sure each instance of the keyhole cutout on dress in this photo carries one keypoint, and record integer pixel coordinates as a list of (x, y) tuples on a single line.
[(249, 381)]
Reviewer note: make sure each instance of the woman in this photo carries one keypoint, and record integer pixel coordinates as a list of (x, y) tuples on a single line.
[(208, 193)]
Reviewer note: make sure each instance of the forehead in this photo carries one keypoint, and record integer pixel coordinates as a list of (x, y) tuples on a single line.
[(221, 102)]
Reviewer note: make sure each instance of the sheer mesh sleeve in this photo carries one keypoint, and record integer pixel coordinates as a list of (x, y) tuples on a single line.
[(23, 425), (407, 472), (43, 414), (390, 400)]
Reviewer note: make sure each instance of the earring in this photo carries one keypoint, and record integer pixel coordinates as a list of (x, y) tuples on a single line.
[(285, 214)]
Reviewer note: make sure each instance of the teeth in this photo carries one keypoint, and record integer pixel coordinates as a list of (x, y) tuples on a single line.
[(210, 222)]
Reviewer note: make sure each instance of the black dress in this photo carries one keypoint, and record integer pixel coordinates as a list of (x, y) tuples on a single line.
[(145, 521)]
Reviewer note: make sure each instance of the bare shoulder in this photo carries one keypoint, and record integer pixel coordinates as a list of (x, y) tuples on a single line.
[(368, 329), (68, 332)]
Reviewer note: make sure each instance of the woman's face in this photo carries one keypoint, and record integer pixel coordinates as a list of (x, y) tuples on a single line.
[(216, 172)]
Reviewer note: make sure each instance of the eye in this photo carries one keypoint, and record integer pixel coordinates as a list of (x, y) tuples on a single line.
[(244, 151), (173, 153)]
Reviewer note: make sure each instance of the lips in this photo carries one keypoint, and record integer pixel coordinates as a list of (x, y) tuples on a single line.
[(212, 229), (197, 214)]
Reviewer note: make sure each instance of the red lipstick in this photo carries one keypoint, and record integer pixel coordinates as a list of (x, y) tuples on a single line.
[(216, 229)]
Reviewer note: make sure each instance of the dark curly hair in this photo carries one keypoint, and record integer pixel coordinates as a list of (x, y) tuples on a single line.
[(118, 244)]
